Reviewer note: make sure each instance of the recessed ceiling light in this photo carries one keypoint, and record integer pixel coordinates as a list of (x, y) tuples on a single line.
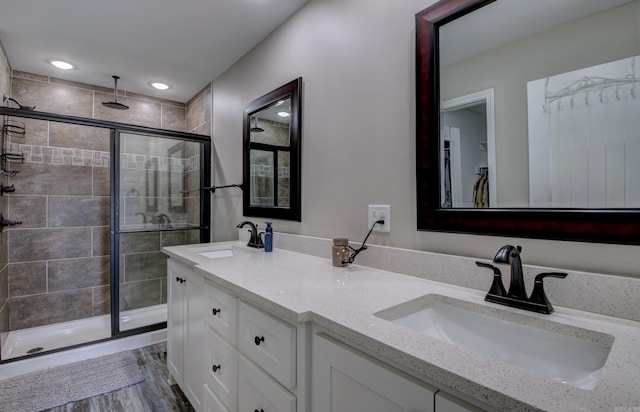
[(61, 64), (159, 85), (283, 114)]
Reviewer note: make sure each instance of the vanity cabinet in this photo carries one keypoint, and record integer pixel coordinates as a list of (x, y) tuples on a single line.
[(252, 368), (228, 355), (185, 330)]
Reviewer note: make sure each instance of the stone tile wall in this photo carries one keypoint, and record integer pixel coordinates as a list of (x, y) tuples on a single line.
[(5, 88), (199, 118), (59, 257)]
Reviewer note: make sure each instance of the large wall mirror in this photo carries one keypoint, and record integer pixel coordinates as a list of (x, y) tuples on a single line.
[(528, 118), (271, 165)]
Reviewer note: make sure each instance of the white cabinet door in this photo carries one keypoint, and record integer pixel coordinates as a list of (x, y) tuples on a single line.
[(449, 403), (344, 380), (194, 342), (185, 330), (221, 367), (258, 392), (175, 321)]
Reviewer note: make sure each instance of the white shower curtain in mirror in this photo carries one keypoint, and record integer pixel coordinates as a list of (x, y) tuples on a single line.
[(584, 137)]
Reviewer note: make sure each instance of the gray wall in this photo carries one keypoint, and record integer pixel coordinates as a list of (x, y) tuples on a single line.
[(356, 58)]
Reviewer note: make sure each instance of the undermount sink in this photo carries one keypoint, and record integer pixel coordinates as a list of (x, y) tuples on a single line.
[(568, 354), (216, 251)]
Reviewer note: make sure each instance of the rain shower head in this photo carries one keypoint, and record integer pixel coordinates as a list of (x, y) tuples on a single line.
[(256, 128), (6, 99), (115, 104)]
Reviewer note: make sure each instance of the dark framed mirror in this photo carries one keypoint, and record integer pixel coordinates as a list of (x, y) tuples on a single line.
[(271, 154), (471, 48)]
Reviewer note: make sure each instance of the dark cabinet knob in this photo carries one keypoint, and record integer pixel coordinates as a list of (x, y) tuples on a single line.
[(258, 339), (215, 368), (215, 311), (177, 279), (256, 410)]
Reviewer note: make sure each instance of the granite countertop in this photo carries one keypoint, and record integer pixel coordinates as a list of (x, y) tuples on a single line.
[(302, 288)]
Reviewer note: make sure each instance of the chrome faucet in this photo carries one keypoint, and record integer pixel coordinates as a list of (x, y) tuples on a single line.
[(517, 295), (256, 238)]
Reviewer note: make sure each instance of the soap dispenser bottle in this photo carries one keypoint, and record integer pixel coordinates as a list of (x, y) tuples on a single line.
[(268, 238)]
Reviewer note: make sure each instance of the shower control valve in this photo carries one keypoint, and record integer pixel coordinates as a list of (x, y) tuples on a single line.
[(6, 189), (6, 222)]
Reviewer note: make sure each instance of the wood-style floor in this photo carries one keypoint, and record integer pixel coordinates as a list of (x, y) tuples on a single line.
[(154, 394)]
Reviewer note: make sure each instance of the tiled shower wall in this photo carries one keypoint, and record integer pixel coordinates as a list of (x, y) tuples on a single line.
[(59, 257), (5, 88)]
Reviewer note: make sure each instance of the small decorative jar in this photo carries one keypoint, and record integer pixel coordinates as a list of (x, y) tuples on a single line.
[(339, 252)]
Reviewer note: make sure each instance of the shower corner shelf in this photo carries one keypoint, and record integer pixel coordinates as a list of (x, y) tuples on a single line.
[(13, 129)]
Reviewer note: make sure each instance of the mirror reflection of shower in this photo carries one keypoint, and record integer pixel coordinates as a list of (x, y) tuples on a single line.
[(255, 128)]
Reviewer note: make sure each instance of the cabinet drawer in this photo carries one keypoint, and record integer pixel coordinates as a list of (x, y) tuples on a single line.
[(222, 369), (222, 313), (268, 342), (258, 392), (210, 403)]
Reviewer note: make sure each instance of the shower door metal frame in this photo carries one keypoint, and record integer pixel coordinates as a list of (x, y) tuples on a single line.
[(114, 257), (114, 252)]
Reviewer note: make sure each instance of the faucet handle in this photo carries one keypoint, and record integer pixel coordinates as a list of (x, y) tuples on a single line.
[(538, 296), (497, 288), (541, 276)]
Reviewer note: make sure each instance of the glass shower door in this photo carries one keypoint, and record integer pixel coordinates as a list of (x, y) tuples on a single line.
[(159, 183)]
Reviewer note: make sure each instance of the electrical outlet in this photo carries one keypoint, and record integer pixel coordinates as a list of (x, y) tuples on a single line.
[(380, 212)]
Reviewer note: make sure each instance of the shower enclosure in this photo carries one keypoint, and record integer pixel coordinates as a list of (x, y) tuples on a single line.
[(85, 263)]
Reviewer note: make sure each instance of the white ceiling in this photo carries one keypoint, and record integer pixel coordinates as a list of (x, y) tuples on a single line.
[(185, 43)]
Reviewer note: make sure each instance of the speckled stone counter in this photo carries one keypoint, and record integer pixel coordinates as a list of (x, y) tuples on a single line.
[(303, 288)]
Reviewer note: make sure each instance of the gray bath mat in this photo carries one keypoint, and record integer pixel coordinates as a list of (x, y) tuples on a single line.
[(57, 386)]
